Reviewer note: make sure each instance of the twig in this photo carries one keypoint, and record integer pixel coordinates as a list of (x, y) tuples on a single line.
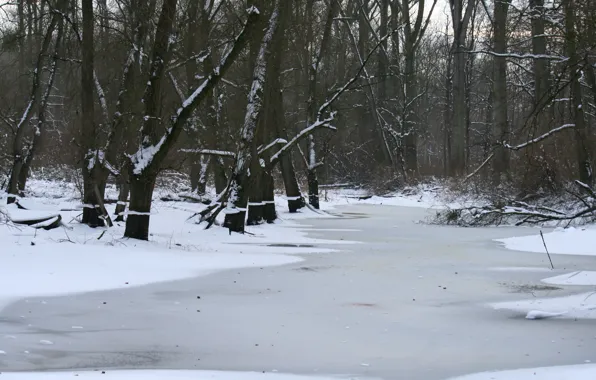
[(548, 254)]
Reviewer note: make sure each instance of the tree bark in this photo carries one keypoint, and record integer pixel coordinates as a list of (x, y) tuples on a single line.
[(20, 150), (247, 156), (94, 174), (142, 181), (122, 194), (460, 19), (582, 148), (500, 107)]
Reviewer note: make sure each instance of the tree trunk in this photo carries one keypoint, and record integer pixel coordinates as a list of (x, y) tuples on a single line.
[(219, 171), (141, 193), (122, 195), (269, 213), (94, 173), (198, 175), (20, 149), (312, 72), (410, 110), (313, 189), (142, 178), (460, 21), (583, 148), (255, 188), (238, 196), (500, 107)]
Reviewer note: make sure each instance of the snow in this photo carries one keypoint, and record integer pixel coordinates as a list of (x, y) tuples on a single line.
[(18, 215), (572, 372), (573, 278), (578, 306), (144, 156), (332, 198), (568, 241), (156, 375), (75, 258)]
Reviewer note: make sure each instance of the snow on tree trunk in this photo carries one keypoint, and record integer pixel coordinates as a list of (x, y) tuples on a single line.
[(95, 174), (123, 192), (153, 148), (198, 175), (238, 191)]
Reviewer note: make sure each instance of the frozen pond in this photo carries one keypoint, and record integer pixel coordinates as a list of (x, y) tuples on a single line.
[(406, 303)]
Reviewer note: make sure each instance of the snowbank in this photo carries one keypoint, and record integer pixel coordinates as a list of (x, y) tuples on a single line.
[(569, 241), (155, 375), (80, 259), (574, 372), (574, 307), (571, 307), (573, 278)]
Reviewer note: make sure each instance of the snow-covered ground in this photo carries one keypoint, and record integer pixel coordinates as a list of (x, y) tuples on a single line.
[(431, 196), (76, 258), (575, 372), (570, 241), (158, 375), (563, 241)]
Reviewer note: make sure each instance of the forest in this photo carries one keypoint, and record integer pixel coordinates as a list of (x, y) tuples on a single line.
[(250, 97)]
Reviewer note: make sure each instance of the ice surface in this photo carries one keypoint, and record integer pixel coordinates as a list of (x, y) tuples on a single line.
[(573, 372), (158, 375)]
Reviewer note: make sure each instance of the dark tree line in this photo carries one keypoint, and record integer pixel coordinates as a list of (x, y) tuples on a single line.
[(254, 95)]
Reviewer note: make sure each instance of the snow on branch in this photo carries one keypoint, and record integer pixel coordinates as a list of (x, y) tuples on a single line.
[(303, 133), (339, 92), (326, 122), (198, 58), (146, 155), (557, 58), (479, 167), (263, 149), (211, 152), (539, 138), (185, 111)]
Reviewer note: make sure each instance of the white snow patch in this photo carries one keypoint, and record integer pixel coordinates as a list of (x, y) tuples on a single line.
[(573, 372), (573, 278), (18, 215), (568, 241), (579, 306), (77, 259), (156, 375)]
